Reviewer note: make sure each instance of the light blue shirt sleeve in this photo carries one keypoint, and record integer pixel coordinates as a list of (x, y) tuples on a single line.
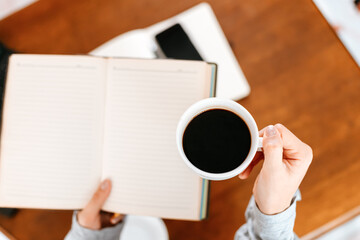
[(78, 232), (260, 226)]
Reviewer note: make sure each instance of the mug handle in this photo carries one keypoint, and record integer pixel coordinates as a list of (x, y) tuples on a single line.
[(260, 145)]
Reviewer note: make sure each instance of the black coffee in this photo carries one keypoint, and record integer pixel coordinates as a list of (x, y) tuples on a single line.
[(217, 141)]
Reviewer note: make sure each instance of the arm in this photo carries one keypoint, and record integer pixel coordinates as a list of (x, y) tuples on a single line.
[(269, 227), (91, 223), (77, 232), (271, 212)]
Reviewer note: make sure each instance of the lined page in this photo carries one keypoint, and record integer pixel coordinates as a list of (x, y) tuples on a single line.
[(51, 143), (145, 99)]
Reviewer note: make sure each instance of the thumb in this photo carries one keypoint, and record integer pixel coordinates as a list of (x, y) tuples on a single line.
[(99, 198), (273, 147)]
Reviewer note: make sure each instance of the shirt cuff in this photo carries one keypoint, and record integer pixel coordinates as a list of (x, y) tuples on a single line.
[(78, 232), (282, 217), (278, 226)]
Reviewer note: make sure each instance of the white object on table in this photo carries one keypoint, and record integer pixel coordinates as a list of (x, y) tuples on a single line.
[(205, 33), (3, 237), (344, 17), (144, 228), (8, 7), (347, 231)]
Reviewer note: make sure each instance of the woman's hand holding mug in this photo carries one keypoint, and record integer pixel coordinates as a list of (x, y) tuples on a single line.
[(286, 160)]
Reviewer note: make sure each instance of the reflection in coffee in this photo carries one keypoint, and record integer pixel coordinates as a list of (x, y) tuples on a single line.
[(217, 141)]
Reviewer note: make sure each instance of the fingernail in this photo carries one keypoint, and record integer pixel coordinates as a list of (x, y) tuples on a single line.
[(104, 185), (270, 131), (116, 219)]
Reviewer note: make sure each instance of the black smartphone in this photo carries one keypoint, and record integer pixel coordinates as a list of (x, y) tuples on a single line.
[(175, 43)]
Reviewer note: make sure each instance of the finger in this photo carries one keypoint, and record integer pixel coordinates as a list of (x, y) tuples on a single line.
[(290, 141), (105, 219), (294, 148), (258, 157), (97, 201), (261, 132), (272, 146), (117, 217)]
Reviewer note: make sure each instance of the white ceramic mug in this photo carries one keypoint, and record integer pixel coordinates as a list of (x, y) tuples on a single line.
[(218, 103)]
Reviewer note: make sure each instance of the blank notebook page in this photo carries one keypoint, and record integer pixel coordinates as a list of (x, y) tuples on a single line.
[(51, 144), (145, 100)]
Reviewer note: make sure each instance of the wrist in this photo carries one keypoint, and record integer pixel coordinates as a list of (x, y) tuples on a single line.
[(272, 208)]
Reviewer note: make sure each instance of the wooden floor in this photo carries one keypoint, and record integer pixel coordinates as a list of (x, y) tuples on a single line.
[(299, 72)]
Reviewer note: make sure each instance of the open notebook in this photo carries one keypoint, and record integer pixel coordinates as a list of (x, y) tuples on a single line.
[(70, 121)]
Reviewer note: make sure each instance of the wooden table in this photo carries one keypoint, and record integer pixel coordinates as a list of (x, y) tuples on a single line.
[(299, 72)]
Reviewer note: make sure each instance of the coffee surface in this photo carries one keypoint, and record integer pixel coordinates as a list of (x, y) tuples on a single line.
[(217, 141)]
